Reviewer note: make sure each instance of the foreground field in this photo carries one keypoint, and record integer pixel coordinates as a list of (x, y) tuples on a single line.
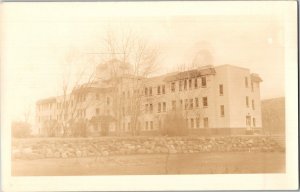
[(200, 163)]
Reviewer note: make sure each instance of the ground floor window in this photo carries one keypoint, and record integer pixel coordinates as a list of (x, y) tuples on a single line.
[(205, 120)]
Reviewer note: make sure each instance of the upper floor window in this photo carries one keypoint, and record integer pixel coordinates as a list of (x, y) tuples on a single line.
[(158, 90), (221, 89), (173, 86), (97, 96), (254, 123), (196, 102), (159, 107), (151, 107), (146, 91), (164, 106), (107, 100), (246, 82), (253, 105), (252, 86), (146, 108), (151, 125), (186, 104), (150, 91), (203, 81), (185, 84), (190, 83), (163, 89), (180, 85), (247, 101), (191, 103), (196, 83), (204, 101), (97, 111)]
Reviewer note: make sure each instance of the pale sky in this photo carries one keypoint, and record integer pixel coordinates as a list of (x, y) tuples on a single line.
[(36, 37)]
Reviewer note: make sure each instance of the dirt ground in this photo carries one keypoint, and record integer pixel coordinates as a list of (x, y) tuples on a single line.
[(155, 164)]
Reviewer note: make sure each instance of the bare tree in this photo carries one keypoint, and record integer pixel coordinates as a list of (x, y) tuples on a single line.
[(131, 59)]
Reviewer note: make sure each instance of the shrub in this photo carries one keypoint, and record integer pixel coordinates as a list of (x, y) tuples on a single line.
[(175, 124), (20, 129)]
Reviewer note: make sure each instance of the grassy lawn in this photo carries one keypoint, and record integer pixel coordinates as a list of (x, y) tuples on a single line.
[(202, 163)]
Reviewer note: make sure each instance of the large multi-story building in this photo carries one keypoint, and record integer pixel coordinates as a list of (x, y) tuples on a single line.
[(209, 100)]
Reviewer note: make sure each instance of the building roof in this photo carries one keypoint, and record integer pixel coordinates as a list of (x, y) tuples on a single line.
[(255, 77), (46, 101), (207, 70), (92, 89)]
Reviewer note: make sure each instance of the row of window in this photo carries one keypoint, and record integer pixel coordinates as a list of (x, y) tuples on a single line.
[(188, 83), (182, 85), (188, 104)]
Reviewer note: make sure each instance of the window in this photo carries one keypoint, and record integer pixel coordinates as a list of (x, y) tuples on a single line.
[(191, 103), (124, 93), (205, 122), (190, 83), (97, 96), (204, 101), (181, 103), (247, 101), (196, 83), (128, 126), (221, 89), (146, 108), (150, 91), (164, 106), (192, 123), (198, 122), (253, 105), (146, 125), (187, 123), (97, 111), (159, 107), (107, 100), (252, 86), (173, 85), (180, 85), (151, 125), (248, 121), (151, 108), (174, 105), (185, 84), (196, 102), (146, 91), (203, 81), (163, 89), (246, 82), (222, 110), (254, 123), (186, 104), (158, 90)]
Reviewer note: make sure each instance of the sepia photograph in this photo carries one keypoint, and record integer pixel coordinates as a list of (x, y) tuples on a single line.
[(154, 89)]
